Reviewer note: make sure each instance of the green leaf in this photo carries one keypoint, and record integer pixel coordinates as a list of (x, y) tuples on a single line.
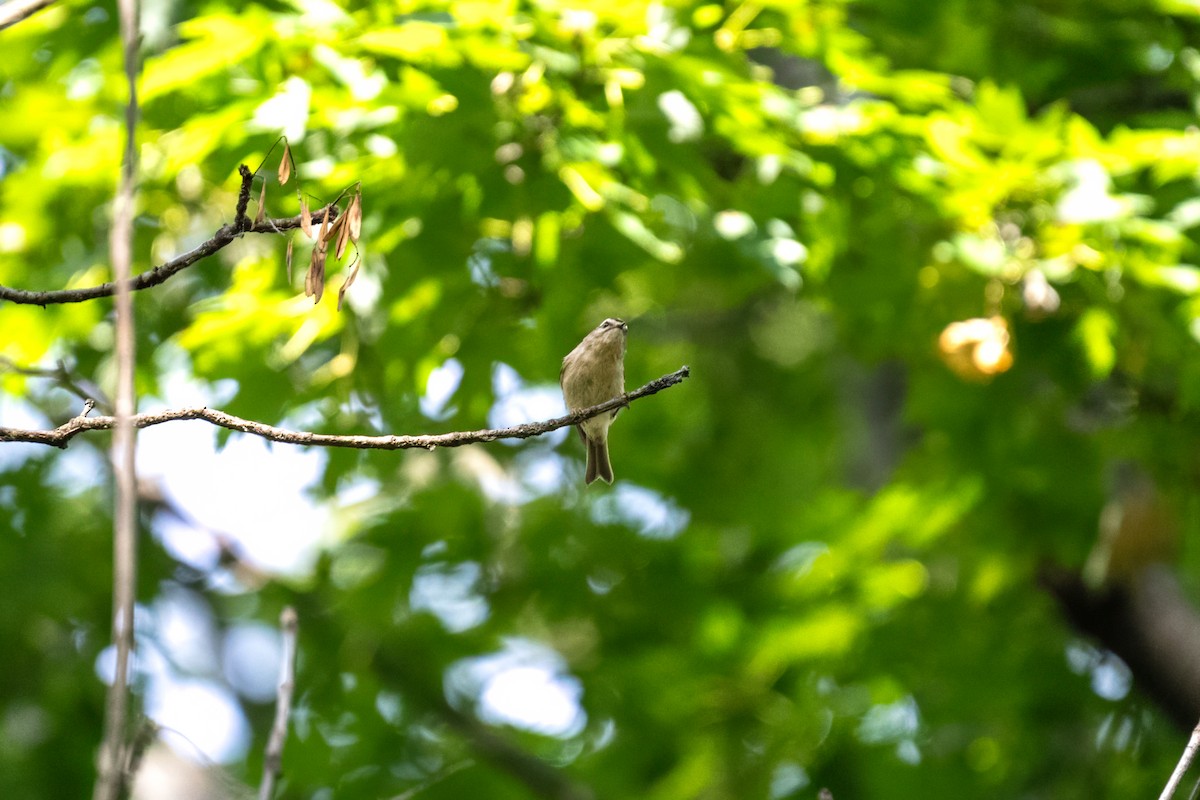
[(216, 43), (1096, 329), (416, 41)]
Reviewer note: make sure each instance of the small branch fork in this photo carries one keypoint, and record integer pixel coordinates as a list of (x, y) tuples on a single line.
[(273, 757), (153, 277), (62, 435)]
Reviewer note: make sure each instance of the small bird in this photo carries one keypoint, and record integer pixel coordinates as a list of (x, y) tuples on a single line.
[(592, 373)]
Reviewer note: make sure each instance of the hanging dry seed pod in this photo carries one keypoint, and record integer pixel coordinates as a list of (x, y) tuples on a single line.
[(317, 270), (285, 165), (314, 279), (262, 204), (354, 215), (308, 274), (289, 262), (322, 233), (333, 229), (350, 276), (305, 218), (314, 282), (344, 233)]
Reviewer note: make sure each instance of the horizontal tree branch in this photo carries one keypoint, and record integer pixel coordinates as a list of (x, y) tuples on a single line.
[(62, 435), (152, 277)]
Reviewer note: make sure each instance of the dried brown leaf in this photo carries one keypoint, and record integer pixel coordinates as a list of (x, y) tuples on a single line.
[(305, 218), (288, 259), (262, 205), (350, 276), (285, 165)]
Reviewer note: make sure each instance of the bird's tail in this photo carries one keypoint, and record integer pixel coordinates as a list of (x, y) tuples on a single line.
[(598, 465)]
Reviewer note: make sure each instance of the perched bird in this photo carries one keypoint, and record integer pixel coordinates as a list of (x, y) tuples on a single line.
[(592, 373)]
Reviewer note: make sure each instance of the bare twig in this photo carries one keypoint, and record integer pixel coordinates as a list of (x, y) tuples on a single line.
[(1185, 763), (62, 435), (64, 377), (153, 277), (408, 794), (14, 11), (273, 758), (110, 779)]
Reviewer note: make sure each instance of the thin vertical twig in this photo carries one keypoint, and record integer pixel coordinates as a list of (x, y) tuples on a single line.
[(273, 757), (1185, 763), (111, 777)]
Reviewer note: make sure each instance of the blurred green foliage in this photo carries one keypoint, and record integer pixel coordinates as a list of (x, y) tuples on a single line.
[(795, 199)]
